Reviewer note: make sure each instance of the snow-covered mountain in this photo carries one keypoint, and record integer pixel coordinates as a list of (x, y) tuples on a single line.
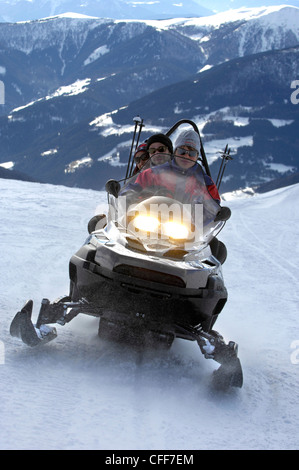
[(21, 10), (83, 393), (64, 74), (245, 103), (37, 57)]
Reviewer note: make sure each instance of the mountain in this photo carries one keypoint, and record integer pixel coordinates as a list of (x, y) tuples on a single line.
[(22, 10), (38, 57), (83, 393), (277, 183), (78, 83), (14, 175), (245, 103)]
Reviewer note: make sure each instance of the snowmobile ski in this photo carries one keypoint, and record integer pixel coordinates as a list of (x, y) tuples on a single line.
[(213, 346), (23, 328)]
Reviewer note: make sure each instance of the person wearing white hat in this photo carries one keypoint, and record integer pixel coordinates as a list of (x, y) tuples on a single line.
[(186, 153), (187, 148)]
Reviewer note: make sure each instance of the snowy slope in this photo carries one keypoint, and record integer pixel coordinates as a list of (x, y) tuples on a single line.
[(81, 393)]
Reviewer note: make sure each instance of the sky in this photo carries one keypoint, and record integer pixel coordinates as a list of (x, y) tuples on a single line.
[(220, 5)]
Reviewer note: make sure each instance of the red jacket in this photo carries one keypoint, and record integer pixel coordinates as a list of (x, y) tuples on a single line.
[(165, 175)]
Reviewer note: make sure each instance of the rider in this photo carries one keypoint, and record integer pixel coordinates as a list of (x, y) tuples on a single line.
[(141, 157), (187, 148), (159, 148)]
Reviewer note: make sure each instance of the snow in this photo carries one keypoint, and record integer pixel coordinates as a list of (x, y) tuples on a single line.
[(214, 147), (280, 167), (113, 157), (79, 86), (77, 164), (76, 88), (281, 122), (69, 15), (96, 54), (206, 67), (7, 165), (79, 392), (73, 15), (20, 108), (49, 152), (286, 13), (29, 36)]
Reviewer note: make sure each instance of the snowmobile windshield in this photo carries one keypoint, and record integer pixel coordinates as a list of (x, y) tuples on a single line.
[(166, 205)]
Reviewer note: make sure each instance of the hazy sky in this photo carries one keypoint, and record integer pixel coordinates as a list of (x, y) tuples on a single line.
[(223, 5)]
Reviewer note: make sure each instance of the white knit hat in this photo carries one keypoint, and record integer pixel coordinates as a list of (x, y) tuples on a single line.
[(189, 138)]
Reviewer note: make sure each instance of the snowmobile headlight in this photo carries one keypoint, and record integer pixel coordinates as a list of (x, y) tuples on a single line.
[(156, 228), (146, 223), (176, 230)]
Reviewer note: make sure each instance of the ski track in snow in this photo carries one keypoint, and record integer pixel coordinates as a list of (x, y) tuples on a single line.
[(80, 392)]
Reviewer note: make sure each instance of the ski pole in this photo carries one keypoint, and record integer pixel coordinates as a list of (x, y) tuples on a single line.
[(222, 161), (136, 120), (141, 125), (225, 158)]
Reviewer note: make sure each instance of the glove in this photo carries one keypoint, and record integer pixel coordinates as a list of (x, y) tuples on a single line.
[(223, 214)]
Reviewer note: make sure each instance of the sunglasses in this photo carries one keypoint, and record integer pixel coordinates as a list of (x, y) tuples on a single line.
[(161, 149), (142, 157), (181, 151)]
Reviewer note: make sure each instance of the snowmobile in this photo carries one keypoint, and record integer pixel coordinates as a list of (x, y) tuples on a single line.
[(150, 273)]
